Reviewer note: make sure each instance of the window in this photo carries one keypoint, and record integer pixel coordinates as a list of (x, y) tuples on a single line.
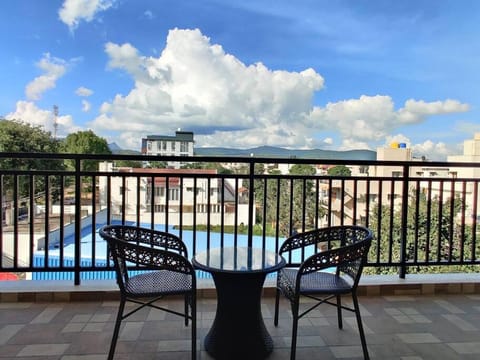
[(164, 145), (149, 145), (160, 208), (122, 190), (397, 173), (184, 146), (159, 191), (172, 145), (173, 194)]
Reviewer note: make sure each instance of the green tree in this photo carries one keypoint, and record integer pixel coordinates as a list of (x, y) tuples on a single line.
[(290, 202), (129, 163), (213, 166), (432, 233), (19, 137), (339, 170), (84, 142)]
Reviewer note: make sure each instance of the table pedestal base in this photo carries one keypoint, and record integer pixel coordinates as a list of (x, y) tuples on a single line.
[(238, 331)]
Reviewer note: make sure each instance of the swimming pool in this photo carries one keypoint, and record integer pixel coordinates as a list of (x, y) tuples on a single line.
[(93, 250)]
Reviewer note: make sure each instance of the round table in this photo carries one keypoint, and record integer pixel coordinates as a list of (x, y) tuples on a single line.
[(238, 331)]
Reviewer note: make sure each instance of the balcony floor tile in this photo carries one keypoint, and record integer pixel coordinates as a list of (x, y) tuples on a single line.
[(403, 327)]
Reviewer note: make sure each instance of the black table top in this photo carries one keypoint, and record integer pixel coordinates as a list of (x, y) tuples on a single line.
[(238, 260)]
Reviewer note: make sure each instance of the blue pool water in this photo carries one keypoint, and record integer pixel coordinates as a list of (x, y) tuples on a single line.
[(99, 256)]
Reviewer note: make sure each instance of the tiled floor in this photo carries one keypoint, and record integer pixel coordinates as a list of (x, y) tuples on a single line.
[(397, 327)]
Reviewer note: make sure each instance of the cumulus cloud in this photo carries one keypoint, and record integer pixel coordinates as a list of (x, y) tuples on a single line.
[(328, 141), (28, 112), (196, 85), (437, 151), (372, 118), (83, 91), (53, 68), (86, 106), (73, 12), (415, 111)]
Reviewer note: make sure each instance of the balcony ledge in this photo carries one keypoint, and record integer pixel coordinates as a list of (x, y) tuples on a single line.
[(370, 285)]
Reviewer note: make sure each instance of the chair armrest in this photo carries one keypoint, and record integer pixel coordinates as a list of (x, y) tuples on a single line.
[(153, 258), (335, 257), (151, 237)]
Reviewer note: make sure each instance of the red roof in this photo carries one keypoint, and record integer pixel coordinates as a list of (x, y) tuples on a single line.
[(8, 276)]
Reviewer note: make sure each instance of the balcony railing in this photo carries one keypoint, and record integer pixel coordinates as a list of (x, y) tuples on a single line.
[(52, 211)]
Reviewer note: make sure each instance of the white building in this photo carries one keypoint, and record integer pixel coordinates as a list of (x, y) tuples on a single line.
[(161, 145), (197, 198)]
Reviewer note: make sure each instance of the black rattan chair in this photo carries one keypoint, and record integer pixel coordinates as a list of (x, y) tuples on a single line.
[(168, 271), (342, 251)]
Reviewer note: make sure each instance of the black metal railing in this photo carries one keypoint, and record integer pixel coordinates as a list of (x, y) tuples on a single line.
[(423, 220)]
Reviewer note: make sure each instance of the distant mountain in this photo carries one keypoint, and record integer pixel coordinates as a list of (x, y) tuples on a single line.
[(115, 149), (269, 151), (277, 152)]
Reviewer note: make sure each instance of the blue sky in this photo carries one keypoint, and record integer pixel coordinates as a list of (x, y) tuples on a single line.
[(338, 75)]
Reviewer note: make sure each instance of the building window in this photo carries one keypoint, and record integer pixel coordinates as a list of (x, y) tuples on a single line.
[(173, 145), (122, 190), (149, 145), (184, 146), (159, 191), (164, 145), (397, 173), (173, 194), (159, 208)]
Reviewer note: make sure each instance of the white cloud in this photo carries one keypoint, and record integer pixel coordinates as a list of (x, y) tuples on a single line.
[(430, 150), (28, 112), (196, 85), (83, 91), (53, 68), (328, 141), (371, 119), (415, 111), (86, 106), (149, 14), (74, 11)]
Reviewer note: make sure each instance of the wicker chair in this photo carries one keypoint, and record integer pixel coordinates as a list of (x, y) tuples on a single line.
[(341, 253), (167, 272)]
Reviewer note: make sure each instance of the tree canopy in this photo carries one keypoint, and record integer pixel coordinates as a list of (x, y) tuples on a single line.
[(339, 170), (19, 137), (85, 142)]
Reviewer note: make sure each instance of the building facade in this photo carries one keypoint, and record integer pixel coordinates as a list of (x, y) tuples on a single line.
[(162, 145), (181, 196)]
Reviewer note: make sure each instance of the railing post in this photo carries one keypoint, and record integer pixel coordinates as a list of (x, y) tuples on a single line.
[(78, 219), (251, 202), (403, 233)]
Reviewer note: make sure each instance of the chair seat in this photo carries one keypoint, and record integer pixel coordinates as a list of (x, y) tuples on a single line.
[(161, 282), (314, 283)]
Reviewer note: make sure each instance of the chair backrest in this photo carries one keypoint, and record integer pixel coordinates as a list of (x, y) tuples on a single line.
[(145, 249), (346, 249)]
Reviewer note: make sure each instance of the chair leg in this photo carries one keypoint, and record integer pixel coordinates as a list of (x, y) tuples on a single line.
[(339, 311), (193, 307), (186, 301), (293, 348), (360, 326), (277, 302), (116, 330)]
